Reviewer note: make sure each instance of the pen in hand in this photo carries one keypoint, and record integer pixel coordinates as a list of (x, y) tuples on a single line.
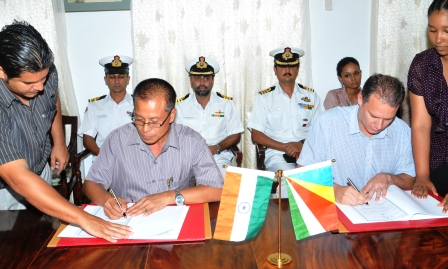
[(350, 182), (116, 200)]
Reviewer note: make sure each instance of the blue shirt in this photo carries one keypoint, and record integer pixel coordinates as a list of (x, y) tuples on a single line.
[(336, 135)]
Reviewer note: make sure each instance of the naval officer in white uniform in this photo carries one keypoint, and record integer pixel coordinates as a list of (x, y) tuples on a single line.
[(283, 114), (210, 113), (108, 112)]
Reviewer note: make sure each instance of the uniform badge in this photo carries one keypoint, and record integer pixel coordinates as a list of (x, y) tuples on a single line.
[(201, 64), (287, 54), (306, 99), (116, 62), (129, 113), (218, 114), (306, 106)]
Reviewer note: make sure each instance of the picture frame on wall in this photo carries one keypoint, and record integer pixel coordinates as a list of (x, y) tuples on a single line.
[(96, 5)]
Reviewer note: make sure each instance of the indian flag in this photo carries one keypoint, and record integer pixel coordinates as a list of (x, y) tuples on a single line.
[(244, 202), (311, 199)]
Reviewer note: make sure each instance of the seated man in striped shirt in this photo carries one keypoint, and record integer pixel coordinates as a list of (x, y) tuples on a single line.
[(370, 144), (151, 160)]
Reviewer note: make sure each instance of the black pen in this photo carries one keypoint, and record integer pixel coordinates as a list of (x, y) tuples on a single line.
[(350, 182), (116, 200)]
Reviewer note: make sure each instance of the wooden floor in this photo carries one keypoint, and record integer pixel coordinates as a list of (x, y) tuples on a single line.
[(24, 235)]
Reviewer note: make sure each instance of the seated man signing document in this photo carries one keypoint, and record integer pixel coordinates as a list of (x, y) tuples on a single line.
[(370, 144), (151, 160)]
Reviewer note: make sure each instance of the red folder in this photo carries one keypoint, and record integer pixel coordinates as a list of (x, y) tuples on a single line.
[(390, 225), (196, 227)]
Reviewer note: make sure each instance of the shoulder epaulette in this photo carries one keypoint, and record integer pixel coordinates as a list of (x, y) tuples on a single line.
[(224, 96), (97, 98), (267, 90), (305, 87), (182, 98)]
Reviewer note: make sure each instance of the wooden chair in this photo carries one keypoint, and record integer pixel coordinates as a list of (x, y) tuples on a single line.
[(261, 154), (260, 151), (65, 188), (238, 154), (78, 195)]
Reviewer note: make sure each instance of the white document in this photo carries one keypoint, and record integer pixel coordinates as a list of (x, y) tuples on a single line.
[(163, 224), (398, 205)]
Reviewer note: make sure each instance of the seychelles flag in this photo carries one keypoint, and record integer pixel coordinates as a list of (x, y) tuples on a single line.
[(311, 199), (244, 202)]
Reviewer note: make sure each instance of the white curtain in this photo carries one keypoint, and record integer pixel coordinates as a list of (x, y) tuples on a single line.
[(398, 32), (237, 34), (48, 17)]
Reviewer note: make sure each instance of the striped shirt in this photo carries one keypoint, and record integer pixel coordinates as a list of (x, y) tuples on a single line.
[(24, 132), (127, 165), (336, 135)]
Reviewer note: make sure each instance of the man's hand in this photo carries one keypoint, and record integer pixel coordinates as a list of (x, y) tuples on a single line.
[(59, 158), (421, 188), (444, 203), (112, 210), (151, 203), (291, 148), (377, 184), (103, 229), (347, 195)]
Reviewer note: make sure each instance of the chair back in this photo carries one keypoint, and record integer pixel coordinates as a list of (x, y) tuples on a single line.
[(70, 129)]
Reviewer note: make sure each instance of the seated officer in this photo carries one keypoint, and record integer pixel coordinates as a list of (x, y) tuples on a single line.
[(151, 160), (283, 114), (211, 114), (370, 144), (108, 112)]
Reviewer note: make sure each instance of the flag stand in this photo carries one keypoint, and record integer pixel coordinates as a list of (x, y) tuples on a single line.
[(279, 258)]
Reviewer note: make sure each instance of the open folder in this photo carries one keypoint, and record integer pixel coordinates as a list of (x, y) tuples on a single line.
[(195, 227), (399, 210)]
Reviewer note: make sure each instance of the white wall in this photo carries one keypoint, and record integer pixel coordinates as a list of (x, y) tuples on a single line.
[(344, 31), (90, 37), (341, 32)]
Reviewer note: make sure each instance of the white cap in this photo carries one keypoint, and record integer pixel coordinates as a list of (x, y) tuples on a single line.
[(276, 51), (202, 66), (109, 59)]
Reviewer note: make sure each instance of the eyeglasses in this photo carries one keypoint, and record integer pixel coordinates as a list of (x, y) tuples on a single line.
[(151, 124)]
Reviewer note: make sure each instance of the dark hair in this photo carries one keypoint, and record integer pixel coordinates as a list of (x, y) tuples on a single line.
[(154, 87), (390, 89), (437, 5), (22, 48), (342, 63)]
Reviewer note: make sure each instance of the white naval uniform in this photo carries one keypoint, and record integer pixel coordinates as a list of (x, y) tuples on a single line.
[(104, 115), (215, 123), (284, 119)]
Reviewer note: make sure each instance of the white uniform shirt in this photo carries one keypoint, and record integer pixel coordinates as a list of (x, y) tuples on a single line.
[(215, 123), (103, 116), (284, 119)]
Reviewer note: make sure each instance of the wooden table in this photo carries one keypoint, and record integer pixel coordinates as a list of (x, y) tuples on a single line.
[(24, 235)]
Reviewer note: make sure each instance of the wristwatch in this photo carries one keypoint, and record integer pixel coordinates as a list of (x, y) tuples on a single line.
[(179, 199), (218, 149)]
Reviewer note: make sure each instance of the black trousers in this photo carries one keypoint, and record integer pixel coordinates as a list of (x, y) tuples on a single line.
[(439, 178)]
